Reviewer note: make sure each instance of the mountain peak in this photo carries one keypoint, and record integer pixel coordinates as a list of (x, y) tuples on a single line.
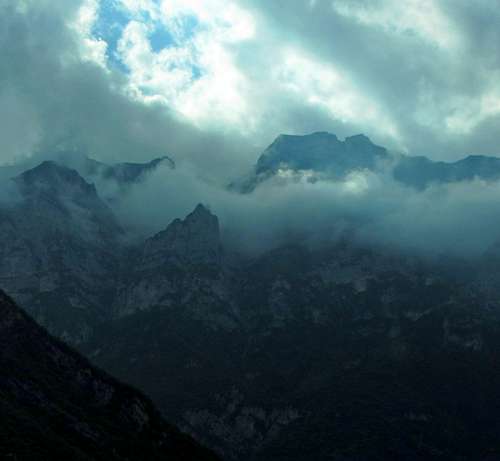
[(51, 189), (195, 240), (52, 178), (321, 152), (358, 139), (200, 210)]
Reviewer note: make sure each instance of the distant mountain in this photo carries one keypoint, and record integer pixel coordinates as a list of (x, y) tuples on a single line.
[(123, 173), (319, 152), (322, 156), (420, 172), (56, 405)]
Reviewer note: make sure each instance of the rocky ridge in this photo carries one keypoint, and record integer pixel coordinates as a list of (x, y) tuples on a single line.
[(56, 405)]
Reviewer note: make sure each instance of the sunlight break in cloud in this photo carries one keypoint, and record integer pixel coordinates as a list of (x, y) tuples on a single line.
[(196, 74)]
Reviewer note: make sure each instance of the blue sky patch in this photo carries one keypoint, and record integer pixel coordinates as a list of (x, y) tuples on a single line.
[(109, 27), (161, 38), (113, 18)]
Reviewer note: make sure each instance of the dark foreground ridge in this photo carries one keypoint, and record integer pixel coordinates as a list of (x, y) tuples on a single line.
[(55, 405)]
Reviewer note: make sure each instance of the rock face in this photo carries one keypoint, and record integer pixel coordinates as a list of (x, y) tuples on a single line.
[(194, 241), (180, 266), (63, 256), (59, 246), (325, 345), (56, 405)]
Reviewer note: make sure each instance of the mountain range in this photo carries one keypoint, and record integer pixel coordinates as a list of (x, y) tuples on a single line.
[(339, 350), (322, 155)]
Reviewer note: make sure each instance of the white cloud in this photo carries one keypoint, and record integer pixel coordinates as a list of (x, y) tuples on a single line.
[(421, 18), (202, 77), (322, 85), (196, 75), (91, 48)]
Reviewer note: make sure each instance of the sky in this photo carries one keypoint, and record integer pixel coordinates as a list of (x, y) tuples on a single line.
[(212, 83), (132, 79)]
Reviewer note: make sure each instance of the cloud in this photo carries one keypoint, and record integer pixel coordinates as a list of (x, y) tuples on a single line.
[(211, 83), (421, 78), (460, 219), (57, 94), (430, 67)]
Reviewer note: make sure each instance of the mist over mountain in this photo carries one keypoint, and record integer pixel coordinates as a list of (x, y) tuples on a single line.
[(278, 220), (244, 350), (316, 188)]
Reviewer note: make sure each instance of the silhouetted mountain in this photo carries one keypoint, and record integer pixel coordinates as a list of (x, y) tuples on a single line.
[(55, 405), (123, 173), (318, 152), (323, 156), (420, 172)]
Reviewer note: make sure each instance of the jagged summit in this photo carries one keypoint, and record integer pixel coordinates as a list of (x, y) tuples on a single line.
[(195, 240), (200, 212), (180, 265)]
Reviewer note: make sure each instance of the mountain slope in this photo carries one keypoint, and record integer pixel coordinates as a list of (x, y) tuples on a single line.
[(59, 249), (179, 266), (56, 405), (341, 352)]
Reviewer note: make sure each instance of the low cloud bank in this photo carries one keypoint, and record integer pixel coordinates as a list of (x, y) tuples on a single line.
[(462, 219)]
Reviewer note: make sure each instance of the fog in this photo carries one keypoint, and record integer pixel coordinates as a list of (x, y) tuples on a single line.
[(460, 219)]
